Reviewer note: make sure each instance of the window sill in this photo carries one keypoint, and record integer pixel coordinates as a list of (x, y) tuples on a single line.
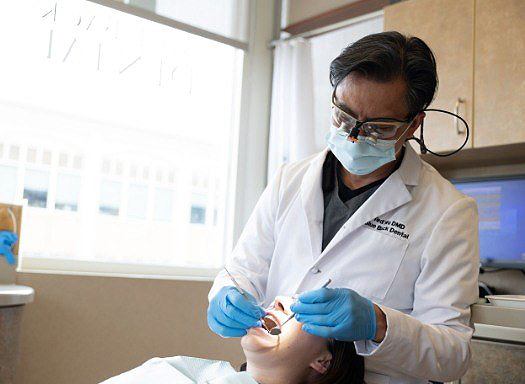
[(94, 268)]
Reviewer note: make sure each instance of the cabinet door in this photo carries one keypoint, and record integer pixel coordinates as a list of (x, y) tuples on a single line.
[(495, 362), (499, 72), (447, 27)]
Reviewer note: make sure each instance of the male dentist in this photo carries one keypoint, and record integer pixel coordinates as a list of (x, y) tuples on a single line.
[(399, 242)]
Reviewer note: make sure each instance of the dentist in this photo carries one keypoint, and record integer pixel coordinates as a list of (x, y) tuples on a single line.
[(399, 242)]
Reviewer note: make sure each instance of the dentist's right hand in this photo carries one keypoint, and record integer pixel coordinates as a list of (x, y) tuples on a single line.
[(7, 241), (231, 315)]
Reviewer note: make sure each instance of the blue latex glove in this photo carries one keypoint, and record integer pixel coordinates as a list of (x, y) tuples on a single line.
[(230, 314), (7, 239), (338, 313)]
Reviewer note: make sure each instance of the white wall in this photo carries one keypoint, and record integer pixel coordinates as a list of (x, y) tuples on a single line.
[(325, 48)]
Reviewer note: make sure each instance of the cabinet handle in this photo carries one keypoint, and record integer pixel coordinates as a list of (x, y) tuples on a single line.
[(459, 131)]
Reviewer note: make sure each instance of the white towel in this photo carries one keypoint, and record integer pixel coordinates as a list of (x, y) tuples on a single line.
[(182, 370)]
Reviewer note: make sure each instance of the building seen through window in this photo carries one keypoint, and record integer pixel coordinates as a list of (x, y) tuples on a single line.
[(67, 192), (36, 188)]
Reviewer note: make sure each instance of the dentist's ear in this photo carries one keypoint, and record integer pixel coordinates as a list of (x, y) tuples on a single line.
[(416, 123), (322, 363)]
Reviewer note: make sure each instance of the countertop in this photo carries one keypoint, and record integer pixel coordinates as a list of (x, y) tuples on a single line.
[(498, 323)]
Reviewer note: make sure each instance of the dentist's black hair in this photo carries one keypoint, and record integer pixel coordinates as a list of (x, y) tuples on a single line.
[(387, 56)]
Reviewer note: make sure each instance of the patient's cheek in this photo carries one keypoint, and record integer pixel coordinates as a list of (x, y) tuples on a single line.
[(251, 343), (298, 340), (296, 329), (294, 336)]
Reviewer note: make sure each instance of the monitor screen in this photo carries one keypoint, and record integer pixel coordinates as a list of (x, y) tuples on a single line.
[(501, 206)]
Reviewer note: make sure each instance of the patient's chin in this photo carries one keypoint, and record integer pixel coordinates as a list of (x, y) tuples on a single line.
[(258, 340), (251, 343)]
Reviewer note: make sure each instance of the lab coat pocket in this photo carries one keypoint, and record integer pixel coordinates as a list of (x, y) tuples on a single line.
[(372, 265)]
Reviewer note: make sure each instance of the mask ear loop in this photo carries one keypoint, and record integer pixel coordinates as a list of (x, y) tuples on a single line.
[(421, 140)]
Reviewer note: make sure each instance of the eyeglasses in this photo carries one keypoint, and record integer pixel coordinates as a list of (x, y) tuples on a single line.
[(379, 128)]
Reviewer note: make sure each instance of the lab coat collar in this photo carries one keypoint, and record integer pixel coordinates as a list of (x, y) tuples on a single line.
[(410, 166), (313, 202), (382, 201)]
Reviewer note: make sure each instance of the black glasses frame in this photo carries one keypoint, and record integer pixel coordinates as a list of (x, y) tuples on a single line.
[(355, 130)]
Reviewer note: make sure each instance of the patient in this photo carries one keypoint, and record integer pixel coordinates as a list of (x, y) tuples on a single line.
[(293, 357), (296, 356)]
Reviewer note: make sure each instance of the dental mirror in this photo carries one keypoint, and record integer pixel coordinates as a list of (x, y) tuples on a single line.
[(276, 331)]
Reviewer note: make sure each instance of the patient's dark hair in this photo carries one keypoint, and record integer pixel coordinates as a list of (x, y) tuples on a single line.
[(346, 366)]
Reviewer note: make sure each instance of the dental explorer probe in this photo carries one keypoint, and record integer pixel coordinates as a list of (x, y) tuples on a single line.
[(237, 286), (275, 331)]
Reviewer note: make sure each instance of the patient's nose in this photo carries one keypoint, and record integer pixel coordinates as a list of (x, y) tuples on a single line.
[(282, 303)]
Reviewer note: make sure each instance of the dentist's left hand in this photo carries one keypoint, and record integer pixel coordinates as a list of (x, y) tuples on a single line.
[(339, 313), (230, 314), (7, 240)]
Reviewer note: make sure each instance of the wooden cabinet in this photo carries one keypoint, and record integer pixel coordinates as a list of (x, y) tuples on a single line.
[(495, 362), (499, 72), (480, 52), (447, 26)]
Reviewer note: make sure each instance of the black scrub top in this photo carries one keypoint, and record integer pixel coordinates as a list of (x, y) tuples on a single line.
[(341, 202)]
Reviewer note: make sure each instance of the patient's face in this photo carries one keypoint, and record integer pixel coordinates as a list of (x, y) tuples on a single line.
[(292, 348)]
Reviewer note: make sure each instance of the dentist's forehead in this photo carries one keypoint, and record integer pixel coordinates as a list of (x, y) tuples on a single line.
[(367, 99)]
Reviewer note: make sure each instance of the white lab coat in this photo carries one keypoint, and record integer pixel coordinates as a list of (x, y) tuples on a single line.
[(412, 248)]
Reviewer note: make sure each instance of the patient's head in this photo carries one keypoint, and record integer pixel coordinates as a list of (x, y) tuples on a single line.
[(297, 357)]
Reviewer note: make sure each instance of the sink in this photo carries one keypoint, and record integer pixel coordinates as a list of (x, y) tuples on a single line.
[(12, 294)]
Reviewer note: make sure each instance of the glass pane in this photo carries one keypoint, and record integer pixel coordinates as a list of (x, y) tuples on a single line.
[(228, 18), (36, 185), (8, 183), (198, 209), (68, 190), (163, 204), (137, 201), (198, 214), (118, 101), (110, 198)]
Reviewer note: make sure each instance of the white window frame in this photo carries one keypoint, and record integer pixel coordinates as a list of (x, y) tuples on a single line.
[(248, 170)]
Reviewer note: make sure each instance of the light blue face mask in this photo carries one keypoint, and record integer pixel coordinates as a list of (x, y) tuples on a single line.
[(361, 157)]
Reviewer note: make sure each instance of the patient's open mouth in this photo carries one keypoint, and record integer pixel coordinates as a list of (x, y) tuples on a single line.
[(270, 321)]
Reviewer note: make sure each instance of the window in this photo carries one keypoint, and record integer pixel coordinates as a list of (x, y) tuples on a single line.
[(110, 195), (225, 17), (68, 190), (137, 201), (36, 187), (198, 214), (8, 176), (119, 133), (163, 204)]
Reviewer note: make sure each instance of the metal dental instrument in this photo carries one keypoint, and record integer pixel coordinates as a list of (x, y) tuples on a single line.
[(275, 331), (237, 286), (241, 291)]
